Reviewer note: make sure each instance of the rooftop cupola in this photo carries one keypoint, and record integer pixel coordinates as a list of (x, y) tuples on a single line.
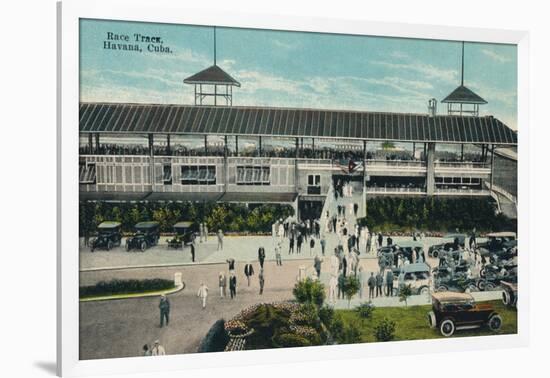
[(463, 101), (213, 83)]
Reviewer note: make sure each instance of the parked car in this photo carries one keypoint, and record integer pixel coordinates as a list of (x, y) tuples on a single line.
[(387, 257), (458, 311), (417, 275), (496, 242), (509, 293), (450, 242), (147, 235), (457, 282), (183, 234), (410, 249), (108, 236)]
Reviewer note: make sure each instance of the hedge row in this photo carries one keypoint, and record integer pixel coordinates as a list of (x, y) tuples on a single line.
[(115, 287), (228, 217), (390, 214)]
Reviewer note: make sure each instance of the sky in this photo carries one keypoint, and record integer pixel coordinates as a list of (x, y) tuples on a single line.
[(294, 69)]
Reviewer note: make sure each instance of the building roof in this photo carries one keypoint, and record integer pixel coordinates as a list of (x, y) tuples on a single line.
[(124, 118), (212, 75), (464, 95)]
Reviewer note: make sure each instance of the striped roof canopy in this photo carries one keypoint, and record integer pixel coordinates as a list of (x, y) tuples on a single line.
[(285, 122)]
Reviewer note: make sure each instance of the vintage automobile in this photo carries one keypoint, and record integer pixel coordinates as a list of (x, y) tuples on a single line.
[(417, 275), (456, 282), (387, 256), (458, 311), (108, 236), (450, 242), (509, 293), (410, 249), (147, 235), (497, 242), (183, 234)]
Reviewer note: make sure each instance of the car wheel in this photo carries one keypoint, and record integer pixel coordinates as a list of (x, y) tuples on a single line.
[(143, 246), (495, 322), (424, 290), (506, 297), (482, 273), (472, 288), (442, 288), (447, 327), (481, 285), (490, 286), (435, 254)]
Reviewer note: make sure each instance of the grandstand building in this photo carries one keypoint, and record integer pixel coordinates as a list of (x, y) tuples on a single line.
[(214, 151)]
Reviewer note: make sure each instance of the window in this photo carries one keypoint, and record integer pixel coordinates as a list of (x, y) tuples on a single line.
[(87, 173), (198, 175), (253, 175), (314, 184), (167, 174)]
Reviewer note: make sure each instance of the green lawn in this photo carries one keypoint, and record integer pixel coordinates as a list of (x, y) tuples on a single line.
[(412, 323)]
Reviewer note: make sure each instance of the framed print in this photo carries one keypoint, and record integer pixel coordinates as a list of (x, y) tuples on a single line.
[(249, 188)]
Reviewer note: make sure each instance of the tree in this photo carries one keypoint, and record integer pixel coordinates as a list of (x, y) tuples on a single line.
[(309, 291), (404, 293), (385, 330), (351, 287)]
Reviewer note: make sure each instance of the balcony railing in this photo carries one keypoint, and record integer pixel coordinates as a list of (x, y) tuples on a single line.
[(393, 190)]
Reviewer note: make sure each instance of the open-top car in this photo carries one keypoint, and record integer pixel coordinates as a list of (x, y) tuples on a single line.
[(108, 236), (147, 235), (183, 234), (497, 242), (410, 249), (449, 242), (459, 311)]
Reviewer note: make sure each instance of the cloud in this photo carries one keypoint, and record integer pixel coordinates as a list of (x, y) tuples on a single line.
[(425, 70), (285, 45), (495, 56)]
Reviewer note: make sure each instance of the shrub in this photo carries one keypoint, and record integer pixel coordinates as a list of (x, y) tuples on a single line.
[(385, 330), (266, 321), (365, 310), (231, 217), (309, 291), (389, 214), (326, 315), (351, 334), (336, 327), (131, 286), (286, 340), (216, 339)]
